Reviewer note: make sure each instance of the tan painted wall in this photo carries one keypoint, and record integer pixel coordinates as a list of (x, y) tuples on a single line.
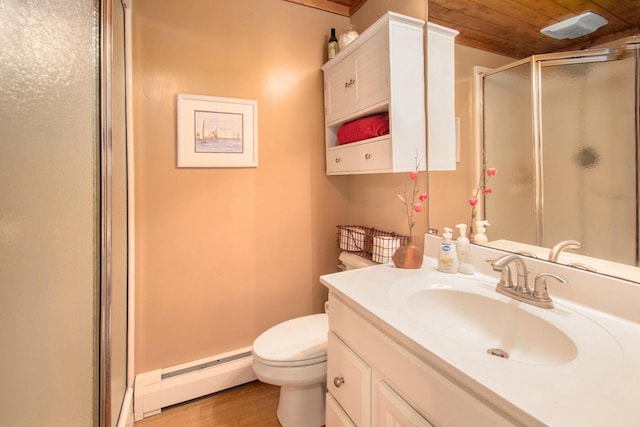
[(223, 254), (449, 191)]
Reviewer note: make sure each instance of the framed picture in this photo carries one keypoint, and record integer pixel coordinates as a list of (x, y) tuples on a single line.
[(216, 132)]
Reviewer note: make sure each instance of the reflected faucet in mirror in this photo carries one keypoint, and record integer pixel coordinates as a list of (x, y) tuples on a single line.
[(554, 254)]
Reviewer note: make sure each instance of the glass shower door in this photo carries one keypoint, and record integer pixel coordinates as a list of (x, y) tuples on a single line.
[(49, 237)]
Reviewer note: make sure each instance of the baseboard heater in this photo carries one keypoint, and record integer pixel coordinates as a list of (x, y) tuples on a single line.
[(165, 387)]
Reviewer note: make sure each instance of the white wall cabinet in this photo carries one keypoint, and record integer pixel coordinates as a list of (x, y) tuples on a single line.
[(381, 71), (374, 381)]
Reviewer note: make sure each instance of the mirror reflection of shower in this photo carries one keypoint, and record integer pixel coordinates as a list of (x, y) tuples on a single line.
[(563, 129)]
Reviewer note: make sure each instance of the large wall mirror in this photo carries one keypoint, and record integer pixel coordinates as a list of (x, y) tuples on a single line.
[(563, 131)]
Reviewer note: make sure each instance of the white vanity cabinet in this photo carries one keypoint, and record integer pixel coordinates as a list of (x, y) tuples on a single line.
[(381, 71), (373, 380)]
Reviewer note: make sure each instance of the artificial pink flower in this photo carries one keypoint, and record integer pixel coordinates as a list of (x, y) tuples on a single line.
[(473, 201), (409, 199), (491, 171), (487, 191)]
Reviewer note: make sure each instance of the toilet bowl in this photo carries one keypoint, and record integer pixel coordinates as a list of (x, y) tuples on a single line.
[(293, 355)]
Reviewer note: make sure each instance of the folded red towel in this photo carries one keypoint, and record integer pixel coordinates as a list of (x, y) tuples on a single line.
[(364, 128)]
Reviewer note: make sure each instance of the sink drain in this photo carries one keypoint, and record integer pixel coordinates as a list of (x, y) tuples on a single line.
[(499, 353)]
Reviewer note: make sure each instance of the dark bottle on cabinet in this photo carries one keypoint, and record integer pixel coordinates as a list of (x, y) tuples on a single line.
[(332, 46)]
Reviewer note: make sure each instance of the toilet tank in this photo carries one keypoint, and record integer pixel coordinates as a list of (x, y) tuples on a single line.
[(351, 261)]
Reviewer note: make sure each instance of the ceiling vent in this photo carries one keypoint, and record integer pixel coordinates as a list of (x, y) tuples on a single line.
[(575, 27)]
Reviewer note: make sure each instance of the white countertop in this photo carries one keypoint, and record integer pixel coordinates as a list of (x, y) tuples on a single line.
[(600, 387)]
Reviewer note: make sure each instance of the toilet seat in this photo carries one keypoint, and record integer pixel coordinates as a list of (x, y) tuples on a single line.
[(296, 342)]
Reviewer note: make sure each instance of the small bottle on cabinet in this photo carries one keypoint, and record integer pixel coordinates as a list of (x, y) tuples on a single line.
[(332, 46)]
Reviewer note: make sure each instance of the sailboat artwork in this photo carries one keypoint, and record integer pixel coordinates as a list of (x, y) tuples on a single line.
[(217, 132)]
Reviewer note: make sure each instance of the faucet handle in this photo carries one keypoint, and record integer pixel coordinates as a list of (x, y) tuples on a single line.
[(540, 286)]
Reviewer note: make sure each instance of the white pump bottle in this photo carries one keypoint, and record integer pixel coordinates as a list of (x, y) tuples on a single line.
[(481, 229), (463, 249), (447, 258)]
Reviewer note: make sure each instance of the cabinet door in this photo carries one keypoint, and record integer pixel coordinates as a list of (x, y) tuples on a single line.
[(339, 90), (349, 381), (335, 415), (371, 63), (393, 411)]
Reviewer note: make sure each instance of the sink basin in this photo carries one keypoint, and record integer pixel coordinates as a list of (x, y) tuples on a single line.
[(469, 317), (498, 327)]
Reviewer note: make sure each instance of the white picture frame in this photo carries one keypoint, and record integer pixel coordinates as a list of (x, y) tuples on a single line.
[(217, 132)]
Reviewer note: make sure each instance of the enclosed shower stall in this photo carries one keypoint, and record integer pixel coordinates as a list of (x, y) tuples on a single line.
[(64, 213), (563, 131)]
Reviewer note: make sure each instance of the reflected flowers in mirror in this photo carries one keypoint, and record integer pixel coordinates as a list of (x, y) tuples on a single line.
[(480, 189)]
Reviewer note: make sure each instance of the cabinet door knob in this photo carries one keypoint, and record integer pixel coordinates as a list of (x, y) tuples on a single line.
[(338, 381), (367, 156), (350, 83), (337, 159)]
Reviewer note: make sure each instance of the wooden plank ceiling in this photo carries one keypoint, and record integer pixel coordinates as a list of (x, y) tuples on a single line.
[(512, 27)]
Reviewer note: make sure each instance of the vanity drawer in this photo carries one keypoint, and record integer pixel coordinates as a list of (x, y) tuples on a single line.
[(374, 155), (348, 380)]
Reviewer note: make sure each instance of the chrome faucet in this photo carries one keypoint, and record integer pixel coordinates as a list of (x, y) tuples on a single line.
[(522, 283), (538, 296), (554, 254)]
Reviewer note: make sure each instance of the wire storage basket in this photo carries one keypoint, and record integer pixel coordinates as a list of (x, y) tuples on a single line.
[(370, 243)]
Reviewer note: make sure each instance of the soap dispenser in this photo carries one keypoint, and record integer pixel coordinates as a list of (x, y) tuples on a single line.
[(463, 250), (481, 232), (447, 258)]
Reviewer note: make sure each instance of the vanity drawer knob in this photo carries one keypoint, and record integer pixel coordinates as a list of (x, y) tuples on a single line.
[(338, 381), (367, 156)]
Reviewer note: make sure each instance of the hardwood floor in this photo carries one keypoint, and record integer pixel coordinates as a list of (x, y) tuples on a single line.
[(249, 405)]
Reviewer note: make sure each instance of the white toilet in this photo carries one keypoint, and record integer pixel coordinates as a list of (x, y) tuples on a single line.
[(293, 355)]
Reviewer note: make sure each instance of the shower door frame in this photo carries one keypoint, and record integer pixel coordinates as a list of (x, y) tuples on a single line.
[(106, 417)]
